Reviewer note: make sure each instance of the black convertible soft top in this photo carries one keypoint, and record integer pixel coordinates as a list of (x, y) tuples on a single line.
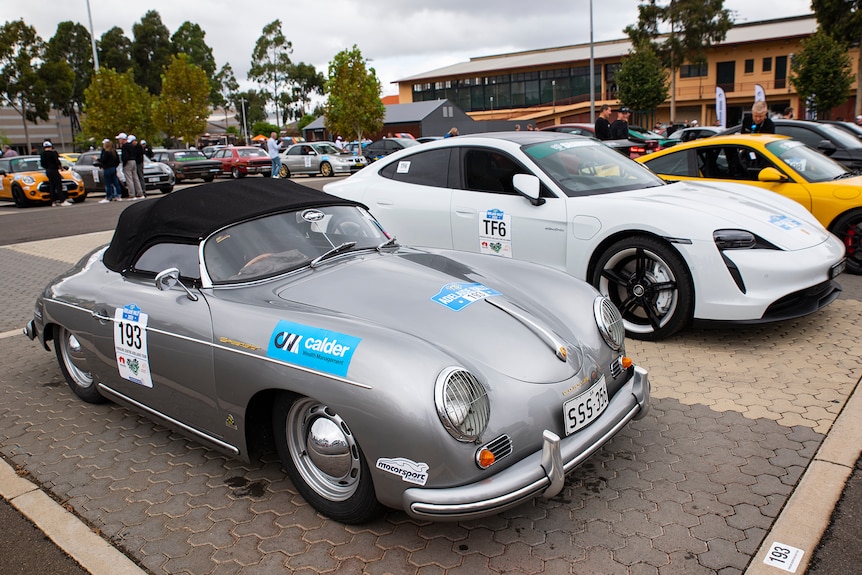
[(191, 214)]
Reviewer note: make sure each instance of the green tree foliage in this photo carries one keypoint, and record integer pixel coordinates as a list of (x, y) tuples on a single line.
[(114, 104), (691, 26), (270, 63), (254, 106), (182, 109), (21, 86), (821, 74), (842, 19), (306, 81), (115, 50), (151, 51), (72, 44), (642, 80), (353, 106), (227, 86), (263, 128), (190, 39)]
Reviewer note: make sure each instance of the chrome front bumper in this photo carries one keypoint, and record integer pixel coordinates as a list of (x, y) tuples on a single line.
[(542, 473)]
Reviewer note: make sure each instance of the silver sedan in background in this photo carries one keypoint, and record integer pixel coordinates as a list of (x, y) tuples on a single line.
[(323, 158)]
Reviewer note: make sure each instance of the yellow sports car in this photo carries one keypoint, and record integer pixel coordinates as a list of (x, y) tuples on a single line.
[(777, 163), (23, 181)]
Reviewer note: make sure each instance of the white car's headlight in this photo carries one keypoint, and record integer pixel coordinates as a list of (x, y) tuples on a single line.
[(609, 322), (462, 404), (739, 240)]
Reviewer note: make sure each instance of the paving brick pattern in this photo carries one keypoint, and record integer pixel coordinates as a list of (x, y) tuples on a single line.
[(691, 489)]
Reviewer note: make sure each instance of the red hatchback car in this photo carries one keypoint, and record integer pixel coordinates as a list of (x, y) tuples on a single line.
[(240, 161)]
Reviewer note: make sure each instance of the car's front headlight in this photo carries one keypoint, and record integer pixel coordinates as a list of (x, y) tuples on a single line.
[(609, 322), (739, 240), (26, 180), (462, 404)]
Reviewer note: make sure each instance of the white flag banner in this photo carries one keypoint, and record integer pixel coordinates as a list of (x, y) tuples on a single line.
[(759, 94), (720, 107)]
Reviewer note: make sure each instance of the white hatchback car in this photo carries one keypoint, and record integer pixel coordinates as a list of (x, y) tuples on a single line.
[(666, 254)]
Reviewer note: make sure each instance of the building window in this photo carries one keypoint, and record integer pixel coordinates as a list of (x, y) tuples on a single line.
[(692, 70), (767, 64), (749, 66)]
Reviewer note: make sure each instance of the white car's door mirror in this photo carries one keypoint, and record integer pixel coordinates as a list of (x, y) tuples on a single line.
[(528, 186)]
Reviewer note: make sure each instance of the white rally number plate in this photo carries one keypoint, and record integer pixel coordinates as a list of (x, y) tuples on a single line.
[(580, 411)]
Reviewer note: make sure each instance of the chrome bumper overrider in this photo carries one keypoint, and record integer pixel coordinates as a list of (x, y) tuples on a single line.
[(542, 473)]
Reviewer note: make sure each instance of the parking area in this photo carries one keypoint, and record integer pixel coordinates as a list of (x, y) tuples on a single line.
[(693, 488)]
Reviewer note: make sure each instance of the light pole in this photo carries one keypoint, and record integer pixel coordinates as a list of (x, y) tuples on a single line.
[(592, 72), (554, 95), (93, 38), (244, 125)]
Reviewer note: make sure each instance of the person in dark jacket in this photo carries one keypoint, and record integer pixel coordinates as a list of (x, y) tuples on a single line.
[(51, 164), (620, 127), (130, 166), (758, 121), (109, 160), (603, 126)]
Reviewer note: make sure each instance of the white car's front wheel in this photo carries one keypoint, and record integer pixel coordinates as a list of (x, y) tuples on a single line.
[(650, 284)]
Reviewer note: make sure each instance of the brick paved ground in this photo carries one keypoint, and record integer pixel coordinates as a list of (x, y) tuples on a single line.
[(691, 489)]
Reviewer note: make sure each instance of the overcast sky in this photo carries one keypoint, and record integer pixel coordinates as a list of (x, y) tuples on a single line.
[(401, 37)]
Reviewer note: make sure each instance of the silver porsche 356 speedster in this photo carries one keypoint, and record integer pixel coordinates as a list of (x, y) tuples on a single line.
[(449, 385)]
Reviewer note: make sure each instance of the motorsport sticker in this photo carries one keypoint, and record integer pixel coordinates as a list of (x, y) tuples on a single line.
[(312, 347), (130, 345), (457, 296), (495, 233), (409, 471)]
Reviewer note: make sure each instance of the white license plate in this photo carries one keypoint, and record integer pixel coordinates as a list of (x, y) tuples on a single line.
[(838, 269), (155, 179), (580, 411)]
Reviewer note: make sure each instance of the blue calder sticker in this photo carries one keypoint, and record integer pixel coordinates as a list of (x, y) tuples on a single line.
[(312, 347), (494, 214), (131, 312), (457, 296)]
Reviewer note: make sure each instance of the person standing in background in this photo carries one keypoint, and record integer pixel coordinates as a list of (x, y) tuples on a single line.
[(758, 121), (110, 161), (603, 125), (130, 167), (620, 127), (139, 163), (50, 160), (272, 150), (8, 152)]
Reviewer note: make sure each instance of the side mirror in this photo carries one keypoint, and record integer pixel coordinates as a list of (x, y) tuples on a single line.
[(169, 278), (826, 147), (528, 186), (771, 175)]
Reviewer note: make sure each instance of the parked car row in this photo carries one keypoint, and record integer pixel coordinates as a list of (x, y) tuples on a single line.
[(157, 176), (253, 314)]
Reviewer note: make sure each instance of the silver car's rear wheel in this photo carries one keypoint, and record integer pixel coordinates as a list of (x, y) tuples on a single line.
[(73, 364), (323, 459)]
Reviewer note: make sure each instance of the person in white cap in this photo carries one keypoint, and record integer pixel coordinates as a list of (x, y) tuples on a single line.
[(130, 168), (859, 120)]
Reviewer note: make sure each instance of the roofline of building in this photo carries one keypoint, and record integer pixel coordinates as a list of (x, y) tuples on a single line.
[(621, 45)]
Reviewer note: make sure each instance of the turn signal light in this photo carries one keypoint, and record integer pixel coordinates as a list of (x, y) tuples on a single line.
[(626, 362), (485, 459)]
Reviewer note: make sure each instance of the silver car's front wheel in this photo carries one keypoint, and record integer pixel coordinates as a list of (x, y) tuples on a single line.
[(323, 459), (73, 364)]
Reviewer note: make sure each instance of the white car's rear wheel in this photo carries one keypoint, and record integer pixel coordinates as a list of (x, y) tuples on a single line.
[(649, 283), (323, 459)]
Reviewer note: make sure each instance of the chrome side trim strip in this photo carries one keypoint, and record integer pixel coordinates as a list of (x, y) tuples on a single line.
[(163, 417)]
